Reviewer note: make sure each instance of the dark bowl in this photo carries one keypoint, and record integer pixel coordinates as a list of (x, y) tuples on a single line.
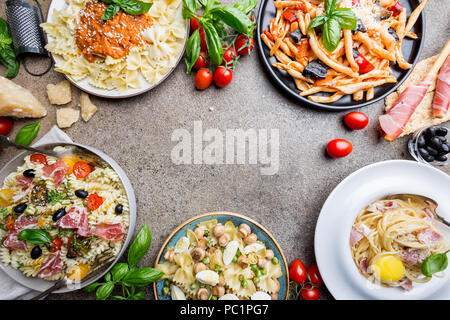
[(411, 52)]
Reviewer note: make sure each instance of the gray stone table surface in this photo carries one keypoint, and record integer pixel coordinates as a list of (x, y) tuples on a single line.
[(136, 132)]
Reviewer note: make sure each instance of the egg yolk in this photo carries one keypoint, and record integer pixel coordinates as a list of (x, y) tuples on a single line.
[(389, 268)]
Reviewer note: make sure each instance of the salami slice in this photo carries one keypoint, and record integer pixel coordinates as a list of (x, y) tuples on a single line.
[(109, 231), (12, 241)]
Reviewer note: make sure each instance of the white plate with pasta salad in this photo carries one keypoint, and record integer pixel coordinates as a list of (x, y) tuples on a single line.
[(124, 56), (59, 216), (372, 238)]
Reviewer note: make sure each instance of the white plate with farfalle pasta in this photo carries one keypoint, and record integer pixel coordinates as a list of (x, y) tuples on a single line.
[(121, 57), (58, 216)]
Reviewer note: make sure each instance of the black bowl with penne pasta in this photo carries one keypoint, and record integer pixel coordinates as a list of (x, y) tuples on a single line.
[(366, 63)]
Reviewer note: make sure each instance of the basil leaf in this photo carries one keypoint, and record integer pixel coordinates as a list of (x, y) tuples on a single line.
[(346, 18), (7, 52), (142, 277), (117, 298), (435, 263), (119, 271), (35, 236), (235, 19), (135, 7), (317, 21), (331, 34), (90, 288), (189, 9), (110, 12), (139, 246), (108, 277), (27, 133), (138, 296), (330, 5), (215, 50), (192, 50), (210, 4), (246, 6), (105, 290)]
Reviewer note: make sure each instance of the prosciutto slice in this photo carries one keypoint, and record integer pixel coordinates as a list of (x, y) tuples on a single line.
[(12, 241), (23, 182), (24, 222), (56, 171), (413, 256), (441, 98), (52, 266), (428, 235), (76, 218), (109, 231)]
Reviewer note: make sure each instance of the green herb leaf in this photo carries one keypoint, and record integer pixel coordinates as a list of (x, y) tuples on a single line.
[(91, 288), (138, 296), (346, 18), (235, 19), (135, 7), (110, 11), (139, 246), (117, 298), (246, 6), (330, 5), (35, 236), (192, 50), (105, 290), (27, 133), (142, 277), (215, 50), (210, 4), (108, 277), (7, 52), (435, 263), (190, 7), (119, 271), (331, 34), (317, 21)]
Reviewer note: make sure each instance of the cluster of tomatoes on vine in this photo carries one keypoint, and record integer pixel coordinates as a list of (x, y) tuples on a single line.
[(305, 281), (241, 45)]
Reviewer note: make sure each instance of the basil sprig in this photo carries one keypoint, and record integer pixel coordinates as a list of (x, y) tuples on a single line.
[(126, 275), (7, 53), (133, 7), (435, 263), (35, 236), (27, 133), (332, 22)]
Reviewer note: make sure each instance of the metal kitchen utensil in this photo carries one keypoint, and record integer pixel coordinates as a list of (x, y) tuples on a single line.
[(24, 20), (5, 143)]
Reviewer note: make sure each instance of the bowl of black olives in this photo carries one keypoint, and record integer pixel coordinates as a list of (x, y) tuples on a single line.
[(430, 145)]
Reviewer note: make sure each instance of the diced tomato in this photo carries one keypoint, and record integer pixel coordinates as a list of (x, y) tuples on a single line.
[(356, 2), (303, 49), (56, 244), (38, 158), (363, 64), (9, 223), (396, 9), (81, 169), (268, 34), (93, 201), (290, 15)]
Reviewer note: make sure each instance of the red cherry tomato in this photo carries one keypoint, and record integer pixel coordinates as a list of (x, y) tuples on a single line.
[(396, 9), (228, 56), (93, 201), (203, 79), (364, 65), (297, 271), (6, 125), (201, 61), (339, 148), (244, 45), (194, 24), (309, 292), (222, 76), (81, 169), (56, 244), (203, 44), (356, 120), (38, 158), (314, 275)]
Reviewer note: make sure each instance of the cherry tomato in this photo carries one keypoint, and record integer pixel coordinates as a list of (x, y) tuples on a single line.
[(194, 24), (244, 45), (9, 223), (93, 201), (356, 120), (396, 9), (38, 158), (201, 61), (56, 244), (81, 169), (203, 79), (314, 275), (297, 271), (5, 125), (309, 292), (339, 148), (364, 65), (222, 76), (203, 44), (228, 56)]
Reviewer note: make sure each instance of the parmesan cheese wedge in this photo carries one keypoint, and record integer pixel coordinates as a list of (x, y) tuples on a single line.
[(88, 109), (18, 102), (66, 117), (59, 93)]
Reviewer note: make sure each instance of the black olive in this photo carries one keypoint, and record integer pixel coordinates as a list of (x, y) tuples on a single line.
[(355, 53), (435, 143), (29, 173), (35, 252), (59, 214), (393, 34), (432, 151), (441, 158), (69, 256), (315, 70), (441, 131), (429, 159), (442, 138), (421, 142), (118, 209), (444, 148), (81, 194), (430, 132), (296, 35), (359, 26), (20, 208), (424, 153)]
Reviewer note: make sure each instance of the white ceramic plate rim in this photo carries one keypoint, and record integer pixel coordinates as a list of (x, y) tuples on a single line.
[(332, 248), (41, 284), (114, 94)]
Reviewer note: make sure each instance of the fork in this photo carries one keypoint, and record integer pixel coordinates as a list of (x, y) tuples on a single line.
[(5, 143), (98, 266)]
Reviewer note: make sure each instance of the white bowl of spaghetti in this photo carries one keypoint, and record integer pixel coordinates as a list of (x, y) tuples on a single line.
[(349, 205)]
